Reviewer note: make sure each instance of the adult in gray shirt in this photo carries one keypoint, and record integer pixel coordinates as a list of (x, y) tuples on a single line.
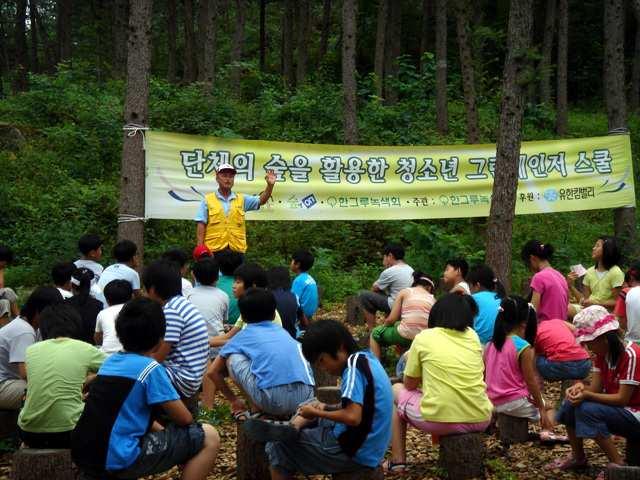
[(396, 276), (15, 338)]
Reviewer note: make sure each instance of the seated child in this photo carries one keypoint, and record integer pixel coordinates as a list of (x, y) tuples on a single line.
[(559, 355), (409, 316), (263, 361), (117, 293), (6, 257), (304, 286), (87, 306), (328, 439), (229, 261), (125, 252), (610, 404), (213, 304), (287, 304), (487, 291), (627, 309), (90, 247), (116, 433), (57, 369), (454, 275), (61, 276), (181, 259), (443, 391), (510, 364)]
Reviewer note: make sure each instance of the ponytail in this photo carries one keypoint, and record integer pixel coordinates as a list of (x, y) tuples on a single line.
[(486, 278), (513, 312), (423, 280), (81, 280), (616, 346), (544, 251)]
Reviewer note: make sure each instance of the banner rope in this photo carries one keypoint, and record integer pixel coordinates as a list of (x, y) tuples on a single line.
[(127, 217), (133, 129)]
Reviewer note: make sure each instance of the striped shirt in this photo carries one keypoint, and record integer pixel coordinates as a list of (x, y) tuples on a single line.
[(187, 332), (414, 316)]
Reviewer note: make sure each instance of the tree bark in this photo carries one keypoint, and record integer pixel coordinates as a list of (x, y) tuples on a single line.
[(379, 61), (172, 46), (207, 69), (136, 111), (424, 32), (20, 34), (287, 43), (463, 456), (547, 50), (442, 114), (52, 464), (467, 68), (120, 23), (64, 12), (238, 45), (634, 98), (263, 35), (326, 29), (35, 63), (392, 49), (349, 32), (615, 100), (505, 184), (49, 47), (189, 75), (562, 119), (303, 41), (201, 36)]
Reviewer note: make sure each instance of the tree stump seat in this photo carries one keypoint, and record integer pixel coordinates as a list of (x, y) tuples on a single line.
[(329, 395), (512, 430), (251, 459), (44, 464), (364, 474), (462, 456), (323, 378), (355, 312)]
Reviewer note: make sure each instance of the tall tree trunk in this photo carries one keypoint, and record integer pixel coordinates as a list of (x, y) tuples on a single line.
[(4, 54), (392, 49), (349, 32), (238, 45), (172, 46), (287, 43), (207, 70), (442, 114), (614, 79), (303, 41), (263, 35), (463, 11), (424, 32), (189, 75), (64, 29), (120, 23), (22, 62), (326, 29), (505, 182), (136, 111), (35, 63), (201, 36), (562, 118), (634, 98), (379, 61), (49, 46), (547, 50)]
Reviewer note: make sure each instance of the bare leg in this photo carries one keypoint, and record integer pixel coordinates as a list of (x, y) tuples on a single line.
[(375, 347), (278, 475), (199, 466), (398, 430), (370, 318), (577, 445), (208, 390), (609, 448)]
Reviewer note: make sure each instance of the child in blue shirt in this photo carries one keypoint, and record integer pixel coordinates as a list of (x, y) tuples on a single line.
[(116, 433), (324, 439), (304, 286)]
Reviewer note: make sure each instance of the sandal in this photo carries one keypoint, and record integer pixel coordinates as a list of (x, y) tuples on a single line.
[(549, 437), (395, 468), (241, 415), (567, 463), (270, 430)]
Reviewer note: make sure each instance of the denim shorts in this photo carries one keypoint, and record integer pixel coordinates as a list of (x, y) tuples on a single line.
[(282, 400), (316, 451), (591, 420), (571, 370)]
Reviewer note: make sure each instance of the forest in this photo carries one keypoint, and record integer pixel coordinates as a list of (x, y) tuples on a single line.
[(416, 72)]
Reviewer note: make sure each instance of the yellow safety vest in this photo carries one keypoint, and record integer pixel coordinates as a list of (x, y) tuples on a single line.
[(222, 230)]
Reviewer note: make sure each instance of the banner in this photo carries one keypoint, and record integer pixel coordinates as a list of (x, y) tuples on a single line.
[(352, 182)]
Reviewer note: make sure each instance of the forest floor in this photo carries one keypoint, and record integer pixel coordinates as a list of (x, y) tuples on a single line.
[(523, 461)]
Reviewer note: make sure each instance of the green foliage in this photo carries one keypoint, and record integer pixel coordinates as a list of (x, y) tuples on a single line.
[(219, 414), (500, 470)]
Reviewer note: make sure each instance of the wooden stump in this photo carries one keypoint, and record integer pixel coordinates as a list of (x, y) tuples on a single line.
[(462, 456), (323, 378), (329, 395), (9, 423), (364, 474), (512, 430), (49, 464), (633, 453), (355, 315), (623, 473), (251, 460)]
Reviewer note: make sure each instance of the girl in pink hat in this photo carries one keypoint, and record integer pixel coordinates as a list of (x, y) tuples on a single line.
[(610, 405)]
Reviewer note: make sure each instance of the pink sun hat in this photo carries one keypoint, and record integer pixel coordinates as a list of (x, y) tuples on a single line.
[(592, 322)]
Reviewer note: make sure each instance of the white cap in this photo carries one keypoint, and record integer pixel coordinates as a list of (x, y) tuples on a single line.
[(225, 166)]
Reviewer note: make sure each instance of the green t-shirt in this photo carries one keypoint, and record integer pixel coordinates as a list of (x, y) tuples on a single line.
[(225, 283), (56, 370), (601, 284)]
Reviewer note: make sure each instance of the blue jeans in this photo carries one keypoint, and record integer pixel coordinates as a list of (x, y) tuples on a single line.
[(591, 420), (572, 370)]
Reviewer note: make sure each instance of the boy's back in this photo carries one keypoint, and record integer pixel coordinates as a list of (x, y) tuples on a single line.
[(225, 283), (213, 305), (305, 288), (117, 413)]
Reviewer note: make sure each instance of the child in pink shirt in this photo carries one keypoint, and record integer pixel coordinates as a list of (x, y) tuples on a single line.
[(560, 357)]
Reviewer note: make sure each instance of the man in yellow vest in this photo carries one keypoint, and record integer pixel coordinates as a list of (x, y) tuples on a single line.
[(220, 218)]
